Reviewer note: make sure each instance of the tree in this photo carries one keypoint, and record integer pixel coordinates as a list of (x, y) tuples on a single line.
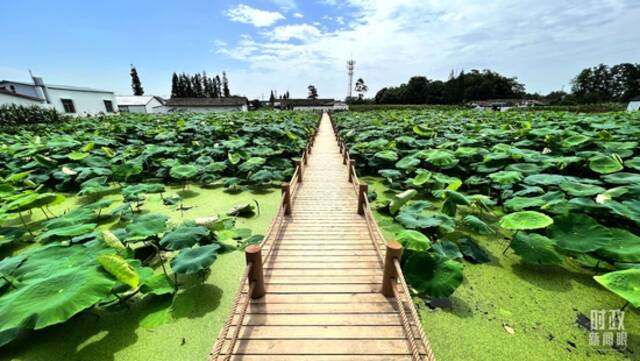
[(361, 88), (313, 92), (272, 98), (196, 84), (135, 82), (218, 86), (287, 95), (175, 89), (225, 85)]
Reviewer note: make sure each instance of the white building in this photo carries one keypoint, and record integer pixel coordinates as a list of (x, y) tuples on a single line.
[(65, 99), (140, 104), (206, 105), (634, 104), (7, 97), (316, 105)]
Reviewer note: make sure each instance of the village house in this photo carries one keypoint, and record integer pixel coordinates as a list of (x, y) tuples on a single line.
[(206, 105), (140, 104)]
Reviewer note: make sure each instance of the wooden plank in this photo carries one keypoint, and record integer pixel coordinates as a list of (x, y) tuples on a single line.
[(278, 257), (323, 272), (311, 308), (334, 319), (314, 279), (321, 358), (323, 265), (324, 252), (323, 288), (319, 332), (319, 347)]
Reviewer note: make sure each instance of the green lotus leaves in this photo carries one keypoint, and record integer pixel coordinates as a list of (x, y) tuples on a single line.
[(447, 249), (433, 275), (624, 246), (625, 284), (120, 269), (29, 200), (242, 210), (439, 158), (215, 167), (183, 171), (633, 163), (604, 164), (524, 168), (234, 143), (525, 220), (67, 231), (390, 174), (579, 233), (146, 226), (536, 249), (575, 140), (184, 236), (581, 190), (421, 178), (545, 179), (472, 252), (477, 225), (622, 178), (408, 163), (413, 240), (506, 177), (53, 299), (77, 155), (192, 260), (252, 164), (400, 199), (94, 186), (387, 155)]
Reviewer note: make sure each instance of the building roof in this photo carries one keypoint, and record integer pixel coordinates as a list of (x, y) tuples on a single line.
[(60, 87), (307, 102), (509, 102), (206, 102), (133, 100), (18, 95)]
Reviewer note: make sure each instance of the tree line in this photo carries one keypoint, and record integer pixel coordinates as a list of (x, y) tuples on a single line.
[(601, 83), (199, 86)]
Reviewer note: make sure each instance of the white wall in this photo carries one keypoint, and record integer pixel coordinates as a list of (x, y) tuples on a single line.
[(242, 108), (633, 106), (153, 106), (84, 102), (135, 109), (8, 99)]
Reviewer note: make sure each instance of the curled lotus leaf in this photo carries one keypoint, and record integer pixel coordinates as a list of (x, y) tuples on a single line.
[(605, 164), (192, 260), (433, 275), (413, 240), (525, 220), (624, 283)]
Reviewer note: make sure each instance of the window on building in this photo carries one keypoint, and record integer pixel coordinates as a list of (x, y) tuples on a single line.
[(68, 106), (123, 108), (108, 105), (13, 88)]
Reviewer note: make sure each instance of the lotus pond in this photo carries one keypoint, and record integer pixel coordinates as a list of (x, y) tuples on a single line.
[(120, 235), (516, 227)]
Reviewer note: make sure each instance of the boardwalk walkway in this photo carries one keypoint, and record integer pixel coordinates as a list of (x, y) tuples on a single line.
[(322, 278)]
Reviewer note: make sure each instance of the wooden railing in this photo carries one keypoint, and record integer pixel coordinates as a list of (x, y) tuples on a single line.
[(253, 276), (392, 274)]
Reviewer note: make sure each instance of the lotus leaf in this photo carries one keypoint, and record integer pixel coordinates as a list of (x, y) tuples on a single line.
[(408, 163), (536, 249), (67, 231), (184, 236), (605, 164), (439, 158), (525, 220), (625, 284), (472, 252), (579, 233), (388, 155), (183, 171), (433, 275), (242, 210), (506, 177), (252, 164), (192, 260), (146, 226), (633, 163), (581, 190), (400, 199), (413, 240), (120, 269), (447, 249), (477, 225), (623, 247), (622, 178)]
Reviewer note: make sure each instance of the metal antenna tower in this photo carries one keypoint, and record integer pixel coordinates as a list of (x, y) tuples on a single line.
[(350, 66)]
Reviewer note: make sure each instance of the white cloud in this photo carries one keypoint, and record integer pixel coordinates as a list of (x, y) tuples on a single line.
[(545, 43), (298, 31), (248, 15), (298, 15), (285, 5)]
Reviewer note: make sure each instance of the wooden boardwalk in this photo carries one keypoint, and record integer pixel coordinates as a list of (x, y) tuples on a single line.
[(323, 270)]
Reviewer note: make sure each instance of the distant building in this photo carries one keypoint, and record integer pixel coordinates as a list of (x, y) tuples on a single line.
[(206, 105), (140, 104), (318, 105), (634, 104), (66, 99), (504, 104)]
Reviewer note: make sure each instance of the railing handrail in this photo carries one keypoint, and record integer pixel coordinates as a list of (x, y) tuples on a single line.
[(377, 237), (275, 225)]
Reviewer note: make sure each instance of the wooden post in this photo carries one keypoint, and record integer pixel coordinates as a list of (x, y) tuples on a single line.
[(309, 148), (286, 193), (394, 251), (364, 190), (299, 164), (344, 156), (306, 155), (352, 166), (253, 255)]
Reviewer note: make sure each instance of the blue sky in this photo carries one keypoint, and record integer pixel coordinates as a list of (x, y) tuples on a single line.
[(289, 44)]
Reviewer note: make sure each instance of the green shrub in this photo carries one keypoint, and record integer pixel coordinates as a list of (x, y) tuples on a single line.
[(18, 115)]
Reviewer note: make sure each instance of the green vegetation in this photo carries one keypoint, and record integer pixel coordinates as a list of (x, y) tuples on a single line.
[(110, 250), (557, 189)]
